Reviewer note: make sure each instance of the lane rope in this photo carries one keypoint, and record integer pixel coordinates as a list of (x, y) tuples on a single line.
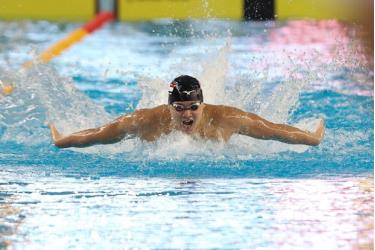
[(74, 37), (56, 49)]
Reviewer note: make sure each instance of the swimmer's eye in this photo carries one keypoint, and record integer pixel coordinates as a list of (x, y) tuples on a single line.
[(195, 106), (180, 107)]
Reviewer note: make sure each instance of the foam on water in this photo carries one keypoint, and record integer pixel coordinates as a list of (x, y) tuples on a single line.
[(42, 96)]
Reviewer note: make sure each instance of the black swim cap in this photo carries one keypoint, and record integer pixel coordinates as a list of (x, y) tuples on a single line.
[(185, 88)]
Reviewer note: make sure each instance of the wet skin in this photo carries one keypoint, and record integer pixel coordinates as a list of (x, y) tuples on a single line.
[(213, 122)]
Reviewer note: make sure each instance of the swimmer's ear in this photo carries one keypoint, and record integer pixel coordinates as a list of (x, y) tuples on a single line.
[(54, 132)]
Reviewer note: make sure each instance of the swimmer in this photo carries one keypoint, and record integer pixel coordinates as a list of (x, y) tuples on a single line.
[(186, 112)]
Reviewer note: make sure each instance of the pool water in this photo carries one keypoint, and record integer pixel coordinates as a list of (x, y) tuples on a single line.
[(180, 192)]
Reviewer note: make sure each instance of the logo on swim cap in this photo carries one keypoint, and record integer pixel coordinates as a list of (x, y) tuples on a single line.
[(185, 88)]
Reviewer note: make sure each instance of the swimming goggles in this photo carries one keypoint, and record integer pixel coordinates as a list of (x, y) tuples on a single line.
[(179, 107)]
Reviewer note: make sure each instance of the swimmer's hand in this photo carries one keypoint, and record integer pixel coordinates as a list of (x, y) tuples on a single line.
[(56, 136), (319, 132)]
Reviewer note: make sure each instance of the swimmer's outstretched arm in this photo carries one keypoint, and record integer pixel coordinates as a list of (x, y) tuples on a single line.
[(109, 133), (252, 125), (130, 125)]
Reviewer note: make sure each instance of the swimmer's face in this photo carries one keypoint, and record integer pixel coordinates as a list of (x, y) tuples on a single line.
[(187, 115)]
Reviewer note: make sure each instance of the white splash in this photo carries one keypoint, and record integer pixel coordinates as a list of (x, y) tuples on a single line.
[(42, 96)]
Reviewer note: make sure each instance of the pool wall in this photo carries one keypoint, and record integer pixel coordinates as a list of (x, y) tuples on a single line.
[(140, 10)]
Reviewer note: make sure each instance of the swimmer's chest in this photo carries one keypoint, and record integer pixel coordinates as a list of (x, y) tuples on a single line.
[(153, 134), (215, 132), (155, 126)]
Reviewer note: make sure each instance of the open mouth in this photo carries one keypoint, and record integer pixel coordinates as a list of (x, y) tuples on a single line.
[(188, 122), (187, 125)]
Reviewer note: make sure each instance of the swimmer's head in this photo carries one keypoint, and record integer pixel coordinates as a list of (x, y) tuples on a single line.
[(185, 88), (186, 102)]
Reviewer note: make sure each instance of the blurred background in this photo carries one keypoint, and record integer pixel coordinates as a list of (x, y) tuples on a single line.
[(360, 11), (136, 10), (359, 15)]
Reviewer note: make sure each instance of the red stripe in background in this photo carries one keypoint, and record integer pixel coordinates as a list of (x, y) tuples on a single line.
[(98, 21)]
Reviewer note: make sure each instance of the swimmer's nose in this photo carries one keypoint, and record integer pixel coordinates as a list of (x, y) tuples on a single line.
[(187, 113)]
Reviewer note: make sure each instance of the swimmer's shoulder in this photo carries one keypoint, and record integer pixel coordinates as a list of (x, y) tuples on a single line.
[(220, 117), (159, 111), (225, 116), (155, 115), (221, 111)]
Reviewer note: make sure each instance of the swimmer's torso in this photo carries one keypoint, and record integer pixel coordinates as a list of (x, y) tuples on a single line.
[(158, 121)]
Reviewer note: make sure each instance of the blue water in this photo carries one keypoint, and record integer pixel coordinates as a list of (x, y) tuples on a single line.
[(179, 192)]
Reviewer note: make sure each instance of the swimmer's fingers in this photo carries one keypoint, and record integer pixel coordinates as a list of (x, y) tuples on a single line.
[(319, 133), (54, 133)]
